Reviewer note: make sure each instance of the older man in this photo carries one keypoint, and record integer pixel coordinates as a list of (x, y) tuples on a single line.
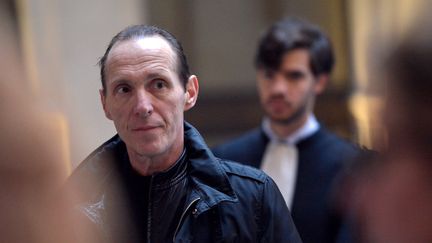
[(157, 181)]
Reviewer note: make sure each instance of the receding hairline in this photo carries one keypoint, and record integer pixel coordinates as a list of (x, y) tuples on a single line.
[(145, 45), (142, 31), (173, 54)]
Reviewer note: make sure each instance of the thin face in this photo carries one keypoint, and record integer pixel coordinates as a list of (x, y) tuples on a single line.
[(288, 94), (146, 99)]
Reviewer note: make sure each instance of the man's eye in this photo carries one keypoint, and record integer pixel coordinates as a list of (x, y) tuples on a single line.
[(159, 84), (295, 75), (123, 89)]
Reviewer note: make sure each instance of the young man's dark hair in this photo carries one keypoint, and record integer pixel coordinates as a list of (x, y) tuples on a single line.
[(138, 31), (289, 34)]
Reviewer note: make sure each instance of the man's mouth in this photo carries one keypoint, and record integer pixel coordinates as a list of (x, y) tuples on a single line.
[(277, 102), (144, 128)]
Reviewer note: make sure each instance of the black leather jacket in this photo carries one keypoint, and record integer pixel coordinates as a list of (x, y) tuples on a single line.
[(204, 199)]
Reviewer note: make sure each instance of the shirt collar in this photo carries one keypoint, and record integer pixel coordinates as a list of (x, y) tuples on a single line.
[(309, 128)]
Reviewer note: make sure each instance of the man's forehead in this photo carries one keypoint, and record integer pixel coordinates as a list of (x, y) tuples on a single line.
[(296, 53), (152, 42), (293, 57), (147, 43), (299, 58), (142, 48)]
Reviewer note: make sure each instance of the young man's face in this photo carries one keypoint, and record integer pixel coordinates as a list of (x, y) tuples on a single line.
[(145, 98), (288, 94)]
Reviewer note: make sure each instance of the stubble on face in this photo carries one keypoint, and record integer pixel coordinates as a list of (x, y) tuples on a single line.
[(144, 70), (287, 94), (287, 120)]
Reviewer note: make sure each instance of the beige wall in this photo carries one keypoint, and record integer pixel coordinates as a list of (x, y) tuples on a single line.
[(62, 43), (374, 27)]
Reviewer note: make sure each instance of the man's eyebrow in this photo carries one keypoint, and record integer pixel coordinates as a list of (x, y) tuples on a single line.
[(160, 74), (120, 81), (292, 71), (153, 75)]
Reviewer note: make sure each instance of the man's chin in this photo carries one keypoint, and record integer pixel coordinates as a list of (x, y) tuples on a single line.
[(149, 152), (284, 120), (146, 147), (279, 117), (287, 118), (281, 121)]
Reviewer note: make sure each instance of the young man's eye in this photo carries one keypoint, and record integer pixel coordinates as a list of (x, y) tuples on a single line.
[(294, 75)]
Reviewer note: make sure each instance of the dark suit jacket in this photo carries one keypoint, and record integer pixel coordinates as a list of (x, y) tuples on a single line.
[(321, 158)]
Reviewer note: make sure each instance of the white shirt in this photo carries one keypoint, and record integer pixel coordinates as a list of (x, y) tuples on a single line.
[(280, 160)]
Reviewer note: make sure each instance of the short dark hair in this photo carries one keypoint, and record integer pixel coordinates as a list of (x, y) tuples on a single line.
[(293, 33), (138, 31)]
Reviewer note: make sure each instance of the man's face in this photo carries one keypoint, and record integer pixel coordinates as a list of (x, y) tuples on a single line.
[(288, 94), (145, 98)]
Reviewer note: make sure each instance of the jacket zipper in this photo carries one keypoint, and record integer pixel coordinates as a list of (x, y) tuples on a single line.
[(149, 211), (182, 216)]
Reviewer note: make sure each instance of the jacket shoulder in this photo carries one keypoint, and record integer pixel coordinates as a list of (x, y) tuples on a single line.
[(337, 145), (260, 203), (252, 136), (247, 149), (234, 169), (94, 172)]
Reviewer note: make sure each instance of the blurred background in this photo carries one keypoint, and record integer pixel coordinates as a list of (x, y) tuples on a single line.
[(60, 43)]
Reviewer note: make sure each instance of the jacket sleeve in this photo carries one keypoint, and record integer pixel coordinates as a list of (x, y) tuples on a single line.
[(277, 224)]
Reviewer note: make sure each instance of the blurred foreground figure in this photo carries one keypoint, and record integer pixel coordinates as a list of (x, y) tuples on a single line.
[(157, 181), (391, 196), (33, 206)]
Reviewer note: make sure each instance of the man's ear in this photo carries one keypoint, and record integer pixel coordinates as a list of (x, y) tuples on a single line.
[(321, 83), (103, 101), (191, 95)]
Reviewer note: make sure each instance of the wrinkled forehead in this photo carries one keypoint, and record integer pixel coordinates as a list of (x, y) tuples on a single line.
[(147, 47)]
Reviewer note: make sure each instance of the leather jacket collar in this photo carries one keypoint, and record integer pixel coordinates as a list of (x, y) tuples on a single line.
[(211, 181), (211, 184)]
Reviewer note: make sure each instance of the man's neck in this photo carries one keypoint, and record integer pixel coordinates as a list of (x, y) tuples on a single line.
[(148, 166), (285, 130)]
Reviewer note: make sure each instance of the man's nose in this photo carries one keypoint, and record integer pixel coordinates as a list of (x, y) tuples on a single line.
[(279, 85), (143, 104)]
